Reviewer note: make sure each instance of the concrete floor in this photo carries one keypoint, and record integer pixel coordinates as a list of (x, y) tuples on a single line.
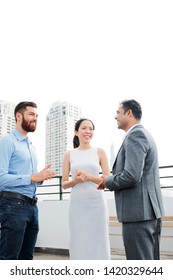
[(116, 255), (45, 256)]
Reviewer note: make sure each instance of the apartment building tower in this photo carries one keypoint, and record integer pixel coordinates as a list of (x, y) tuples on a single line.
[(60, 122), (7, 120)]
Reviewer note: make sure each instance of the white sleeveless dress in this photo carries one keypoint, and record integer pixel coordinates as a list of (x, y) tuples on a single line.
[(88, 213)]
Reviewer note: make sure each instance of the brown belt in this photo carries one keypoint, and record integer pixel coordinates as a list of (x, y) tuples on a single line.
[(6, 194)]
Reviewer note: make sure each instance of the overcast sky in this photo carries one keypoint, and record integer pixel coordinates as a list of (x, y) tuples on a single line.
[(93, 54)]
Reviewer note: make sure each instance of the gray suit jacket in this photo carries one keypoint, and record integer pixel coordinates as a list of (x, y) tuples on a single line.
[(135, 180)]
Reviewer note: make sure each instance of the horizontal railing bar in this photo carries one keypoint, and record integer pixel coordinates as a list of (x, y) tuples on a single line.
[(166, 177), (60, 192)]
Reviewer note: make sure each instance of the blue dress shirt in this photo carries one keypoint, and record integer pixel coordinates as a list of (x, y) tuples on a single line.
[(18, 161)]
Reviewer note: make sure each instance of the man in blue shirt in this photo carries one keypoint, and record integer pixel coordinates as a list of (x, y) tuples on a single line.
[(18, 182)]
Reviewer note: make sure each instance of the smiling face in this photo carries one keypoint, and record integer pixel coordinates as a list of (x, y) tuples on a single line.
[(85, 132), (27, 120), (121, 118), (126, 118)]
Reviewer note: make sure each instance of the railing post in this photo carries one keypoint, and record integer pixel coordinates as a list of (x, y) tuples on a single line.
[(60, 188)]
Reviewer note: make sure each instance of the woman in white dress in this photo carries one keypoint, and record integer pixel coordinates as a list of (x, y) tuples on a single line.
[(88, 213)]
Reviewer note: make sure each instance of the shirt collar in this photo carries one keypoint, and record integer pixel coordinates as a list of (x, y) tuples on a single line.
[(131, 128), (19, 136)]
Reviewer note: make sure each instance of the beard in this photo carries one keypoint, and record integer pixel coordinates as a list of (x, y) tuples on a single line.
[(28, 126)]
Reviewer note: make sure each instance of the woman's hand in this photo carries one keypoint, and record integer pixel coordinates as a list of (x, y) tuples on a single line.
[(80, 176)]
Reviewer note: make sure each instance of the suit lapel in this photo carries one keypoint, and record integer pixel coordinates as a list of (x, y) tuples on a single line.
[(138, 126), (117, 154)]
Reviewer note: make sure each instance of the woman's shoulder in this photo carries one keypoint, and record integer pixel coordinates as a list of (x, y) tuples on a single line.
[(72, 151), (68, 153), (100, 150)]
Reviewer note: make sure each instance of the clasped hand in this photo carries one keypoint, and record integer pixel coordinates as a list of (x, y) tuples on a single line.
[(81, 176), (102, 185)]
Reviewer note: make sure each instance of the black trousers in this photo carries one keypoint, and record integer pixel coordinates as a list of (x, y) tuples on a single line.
[(142, 239)]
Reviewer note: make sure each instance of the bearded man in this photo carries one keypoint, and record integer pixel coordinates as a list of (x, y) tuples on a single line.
[(18, 183)]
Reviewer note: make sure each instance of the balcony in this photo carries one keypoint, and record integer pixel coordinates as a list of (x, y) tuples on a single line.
[(53, 203)]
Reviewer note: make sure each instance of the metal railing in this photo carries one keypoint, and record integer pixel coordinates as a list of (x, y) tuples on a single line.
[(166, 181)]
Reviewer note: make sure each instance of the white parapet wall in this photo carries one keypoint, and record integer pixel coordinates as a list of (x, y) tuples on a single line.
[(54, 225)]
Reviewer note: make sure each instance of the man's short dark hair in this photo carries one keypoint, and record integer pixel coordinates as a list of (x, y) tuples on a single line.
[(133, 105)]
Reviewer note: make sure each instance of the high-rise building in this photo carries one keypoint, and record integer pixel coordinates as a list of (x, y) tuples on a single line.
[(7, 120), (60, 122)]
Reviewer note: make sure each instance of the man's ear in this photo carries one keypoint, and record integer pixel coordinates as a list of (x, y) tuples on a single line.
[(18, 116), (130, 113)]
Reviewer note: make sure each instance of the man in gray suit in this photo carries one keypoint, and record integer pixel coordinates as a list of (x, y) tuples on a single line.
[(136, 185)]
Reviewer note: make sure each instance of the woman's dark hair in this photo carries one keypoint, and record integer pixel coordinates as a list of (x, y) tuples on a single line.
[(21, 107), (134, 106), (76, 128)]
